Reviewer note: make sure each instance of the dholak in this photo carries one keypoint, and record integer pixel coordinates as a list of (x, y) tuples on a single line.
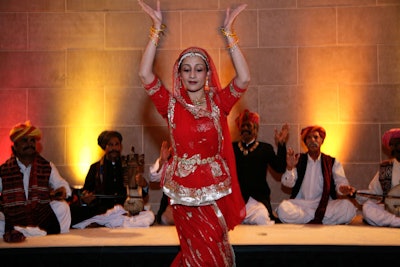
[(134, 205), (133, 164), (392, 201)]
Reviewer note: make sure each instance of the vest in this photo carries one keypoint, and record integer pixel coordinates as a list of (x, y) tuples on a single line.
[(36, 210), (329, 188), (385, 176)]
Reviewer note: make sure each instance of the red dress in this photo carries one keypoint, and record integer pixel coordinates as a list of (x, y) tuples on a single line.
[(200, 179)]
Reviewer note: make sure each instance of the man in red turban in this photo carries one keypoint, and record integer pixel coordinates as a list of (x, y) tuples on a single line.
[(316, 179), (306, 131), (33, 191), (253, 158), (248, 117), (387, 178), (389, 140)]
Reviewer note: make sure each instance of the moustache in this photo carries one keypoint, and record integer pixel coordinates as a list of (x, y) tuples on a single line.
[(30, 147), (314, 144), (245, 131)]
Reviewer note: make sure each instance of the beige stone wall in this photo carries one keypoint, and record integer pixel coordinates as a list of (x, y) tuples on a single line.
[(70, 66)]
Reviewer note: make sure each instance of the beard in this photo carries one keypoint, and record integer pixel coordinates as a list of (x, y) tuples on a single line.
[(113, 155)]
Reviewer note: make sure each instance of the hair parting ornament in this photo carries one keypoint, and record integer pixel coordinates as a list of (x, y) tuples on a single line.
[(193, 54)]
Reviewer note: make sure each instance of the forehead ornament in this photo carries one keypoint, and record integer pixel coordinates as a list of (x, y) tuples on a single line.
[(192, 54)]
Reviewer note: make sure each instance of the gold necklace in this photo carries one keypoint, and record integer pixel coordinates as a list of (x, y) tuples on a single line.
[(246, 151), (200, 101)]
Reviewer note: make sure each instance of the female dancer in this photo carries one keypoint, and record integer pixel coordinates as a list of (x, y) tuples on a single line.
[(200, 179)]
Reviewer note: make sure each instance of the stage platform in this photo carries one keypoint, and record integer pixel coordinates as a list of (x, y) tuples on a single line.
[(276, 245)]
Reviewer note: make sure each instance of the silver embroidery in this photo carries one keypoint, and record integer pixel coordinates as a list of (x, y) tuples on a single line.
[(216, 169), (151, 91), (187, 165), (196, 196), (233, 91)]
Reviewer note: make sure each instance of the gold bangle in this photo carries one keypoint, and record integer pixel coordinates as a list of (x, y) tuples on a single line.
[(235, 42), (227, 33), (233, 47), (155, 34), (154, 40), (158, 31)]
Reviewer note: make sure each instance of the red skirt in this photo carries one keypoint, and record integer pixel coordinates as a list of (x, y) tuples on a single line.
[(203, 237)]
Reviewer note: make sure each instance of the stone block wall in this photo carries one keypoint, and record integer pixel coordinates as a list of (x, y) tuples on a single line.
[(70, 66)]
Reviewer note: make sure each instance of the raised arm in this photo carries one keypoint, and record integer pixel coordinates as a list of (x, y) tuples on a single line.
[(146, 65), (282, 136), (242, 78)]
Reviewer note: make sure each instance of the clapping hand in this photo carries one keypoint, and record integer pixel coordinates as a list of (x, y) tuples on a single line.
[(291, 158), (282, 136)]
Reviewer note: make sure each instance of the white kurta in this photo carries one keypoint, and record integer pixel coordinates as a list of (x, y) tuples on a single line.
[(374, 212)]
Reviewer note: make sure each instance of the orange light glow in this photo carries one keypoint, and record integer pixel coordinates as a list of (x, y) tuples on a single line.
[(82, 150)]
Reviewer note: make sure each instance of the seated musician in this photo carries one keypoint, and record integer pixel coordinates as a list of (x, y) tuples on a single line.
[(386, 178), (104, 194)]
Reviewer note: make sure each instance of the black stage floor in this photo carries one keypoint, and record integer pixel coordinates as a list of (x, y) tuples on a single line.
[(274, 255)]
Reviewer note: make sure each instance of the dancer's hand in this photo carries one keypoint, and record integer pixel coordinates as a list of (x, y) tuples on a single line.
[(155, 14)]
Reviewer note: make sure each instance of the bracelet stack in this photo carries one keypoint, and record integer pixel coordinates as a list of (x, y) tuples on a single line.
[(230, 34), (155, 34)]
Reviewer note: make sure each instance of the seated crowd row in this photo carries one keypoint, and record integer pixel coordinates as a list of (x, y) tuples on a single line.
[(35, 200)]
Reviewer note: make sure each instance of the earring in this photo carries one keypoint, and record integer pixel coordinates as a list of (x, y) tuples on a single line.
[(206, 87)]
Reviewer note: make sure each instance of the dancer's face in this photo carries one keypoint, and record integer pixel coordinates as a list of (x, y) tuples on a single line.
[(193, 72)]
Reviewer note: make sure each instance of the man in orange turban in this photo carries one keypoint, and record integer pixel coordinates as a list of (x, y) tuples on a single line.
[(306, 131), (33, 191), (316, 179), (385, 179)]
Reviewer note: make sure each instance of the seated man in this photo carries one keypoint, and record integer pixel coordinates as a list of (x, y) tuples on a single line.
[(164, 214), (253, 158), (386, 178), (104, 193), (32, 189), (316, 180)]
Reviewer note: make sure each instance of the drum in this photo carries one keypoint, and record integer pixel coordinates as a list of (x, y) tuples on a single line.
[(392, 201), (134, 205)]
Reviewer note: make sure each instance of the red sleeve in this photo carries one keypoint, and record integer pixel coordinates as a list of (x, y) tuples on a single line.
[(229, 96), (159, 95)]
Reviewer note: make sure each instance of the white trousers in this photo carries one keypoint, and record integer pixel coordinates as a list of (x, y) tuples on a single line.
[(376, 215), (256, 213), (300, 211)]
